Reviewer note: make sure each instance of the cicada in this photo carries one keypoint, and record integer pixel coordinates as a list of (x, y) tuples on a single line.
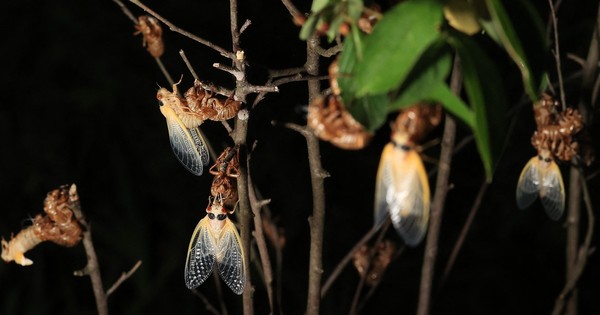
[(185, 137), (402, 187), (215, 240), (553, 140), (541, 177)]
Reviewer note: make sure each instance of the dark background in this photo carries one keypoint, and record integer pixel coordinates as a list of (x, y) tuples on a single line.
[(79, 106)]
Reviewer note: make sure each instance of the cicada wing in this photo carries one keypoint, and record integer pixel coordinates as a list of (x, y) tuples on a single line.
[(383, 185), (552, 190), (528, 187), (201, 255), (230, 258), (403, 192), (187, 143)]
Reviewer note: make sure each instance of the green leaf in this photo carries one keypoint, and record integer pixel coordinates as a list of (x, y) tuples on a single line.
[(309, 26), (318, 5), (395, 45), (370, 111), (524, 41), (486, 98), (452, 103)]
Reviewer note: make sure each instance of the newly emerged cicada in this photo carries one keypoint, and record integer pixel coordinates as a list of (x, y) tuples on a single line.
[(553, 140), (185, 137), (402, 187), (216, 242)]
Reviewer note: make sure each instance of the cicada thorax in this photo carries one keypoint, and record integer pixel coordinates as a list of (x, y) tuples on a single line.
[(417, 121), (151, 32), (179, 105), (217, 213)]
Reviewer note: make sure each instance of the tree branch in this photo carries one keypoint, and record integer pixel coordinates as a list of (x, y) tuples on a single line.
[(437, 207), (183, 32), (124, 276)]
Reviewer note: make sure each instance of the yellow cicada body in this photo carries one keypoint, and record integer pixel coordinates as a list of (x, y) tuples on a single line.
[(216, 240), (402, 190), (541, 177)]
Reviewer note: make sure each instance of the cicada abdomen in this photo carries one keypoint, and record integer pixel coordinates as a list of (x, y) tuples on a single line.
[(209, 105), (402, 188), (215, 241)]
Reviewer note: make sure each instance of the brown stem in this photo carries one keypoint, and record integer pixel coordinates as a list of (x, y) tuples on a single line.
[(207, 304), (361, 283), (126, 11), (92, 268), (582, 253), (183, 32), (463, 232), (342, 264), (557, 54), (573, 221), (259, 235), (123, 278), (437, 207)]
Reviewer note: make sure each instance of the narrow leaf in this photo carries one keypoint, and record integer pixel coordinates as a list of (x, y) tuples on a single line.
[(486, 97)]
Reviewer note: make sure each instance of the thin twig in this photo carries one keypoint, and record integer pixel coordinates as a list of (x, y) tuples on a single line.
[(463, 232), (374, 286), (183, 32), (363, 278), (437, 207), (126, 11), (557, 54), (342, 264), (332, 51), (583, 252), (294, 12), (164, 71), (259, 236), (92, 268), (124, 276), (207, 304)]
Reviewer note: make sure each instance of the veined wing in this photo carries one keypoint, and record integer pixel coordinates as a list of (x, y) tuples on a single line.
[(187, 143), (230, 258), (528, 187), (402, 190), (552, 190), (201, 255)]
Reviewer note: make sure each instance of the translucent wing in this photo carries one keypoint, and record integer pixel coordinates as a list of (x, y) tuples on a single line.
[(201, 255), (552, 190), (402, 190), (528, 186), (230, 258), (188, 145)]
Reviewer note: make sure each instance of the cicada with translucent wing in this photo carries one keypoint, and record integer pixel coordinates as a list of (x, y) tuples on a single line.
[(185, 137), (215, 242), (553, 140), (402, 187), (541, 177)]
